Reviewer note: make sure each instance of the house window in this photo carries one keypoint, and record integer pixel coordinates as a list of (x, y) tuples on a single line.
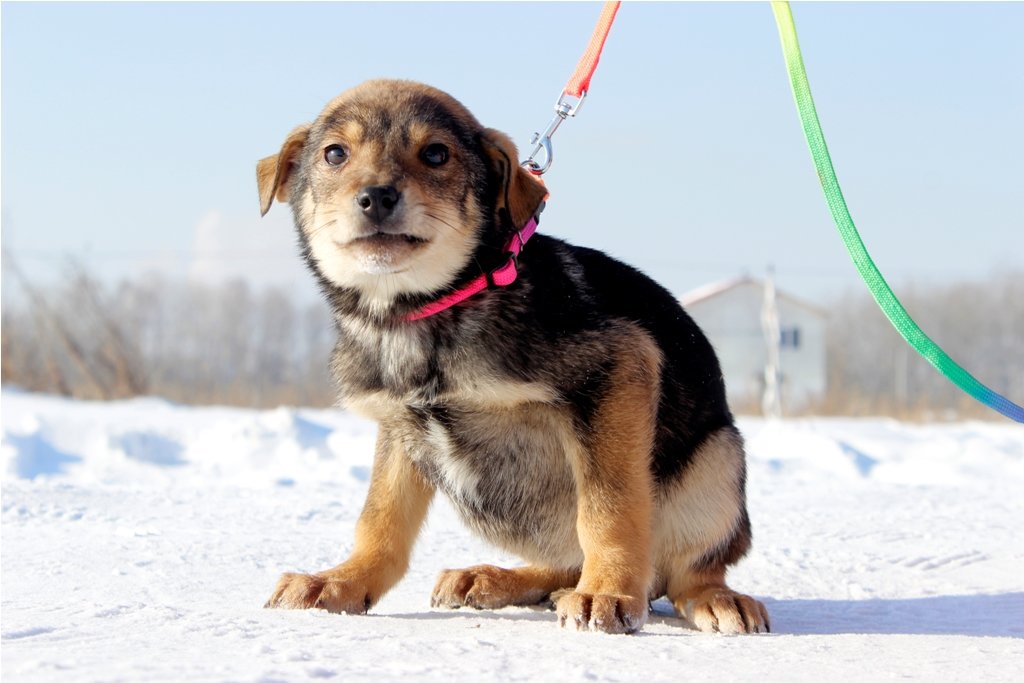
[(789, 337)]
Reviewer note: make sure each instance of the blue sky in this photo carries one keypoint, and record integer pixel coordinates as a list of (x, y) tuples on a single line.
[(130, 131)]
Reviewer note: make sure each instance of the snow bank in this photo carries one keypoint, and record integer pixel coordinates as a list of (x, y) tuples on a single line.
[(140, 540)]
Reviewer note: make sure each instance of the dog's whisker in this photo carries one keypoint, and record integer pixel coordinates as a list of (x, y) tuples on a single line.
[(444, 222), (479, 265), (318, 228), (440, 213)]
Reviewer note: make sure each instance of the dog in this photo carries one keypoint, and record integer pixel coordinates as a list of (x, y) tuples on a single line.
[(565, 404)]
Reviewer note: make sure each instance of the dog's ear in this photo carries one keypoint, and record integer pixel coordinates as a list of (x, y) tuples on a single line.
[(519, 193), (273, 172)]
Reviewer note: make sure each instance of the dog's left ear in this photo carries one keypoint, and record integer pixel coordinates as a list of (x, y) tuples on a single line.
[(520, 193), (273, 172)]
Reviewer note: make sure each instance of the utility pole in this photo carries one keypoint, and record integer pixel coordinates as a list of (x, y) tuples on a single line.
[(771, 403), (901, 377)]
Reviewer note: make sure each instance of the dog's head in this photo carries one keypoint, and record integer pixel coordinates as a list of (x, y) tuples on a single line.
[(396, 188)]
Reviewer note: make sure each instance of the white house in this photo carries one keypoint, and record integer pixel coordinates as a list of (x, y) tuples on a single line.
[(730, 314)]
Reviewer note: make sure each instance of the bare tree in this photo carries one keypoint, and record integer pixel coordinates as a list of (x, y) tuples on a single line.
[(979, 324), (230, 344)]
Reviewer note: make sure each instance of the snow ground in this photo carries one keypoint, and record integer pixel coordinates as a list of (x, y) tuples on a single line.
[(140, 540)]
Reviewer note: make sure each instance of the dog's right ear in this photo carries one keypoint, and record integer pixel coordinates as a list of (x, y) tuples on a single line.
[(273, 172)]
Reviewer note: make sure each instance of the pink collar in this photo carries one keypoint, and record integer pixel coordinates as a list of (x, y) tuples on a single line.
[(502, 276)]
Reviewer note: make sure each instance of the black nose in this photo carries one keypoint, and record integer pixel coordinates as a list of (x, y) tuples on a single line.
[(378, 201)]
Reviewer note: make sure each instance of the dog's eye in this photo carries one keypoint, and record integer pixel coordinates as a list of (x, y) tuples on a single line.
[(335, 155), (434, 155)]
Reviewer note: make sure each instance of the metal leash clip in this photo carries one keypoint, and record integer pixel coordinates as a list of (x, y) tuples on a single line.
[(564, 108)]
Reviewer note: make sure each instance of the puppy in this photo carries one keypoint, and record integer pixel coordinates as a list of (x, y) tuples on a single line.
[(565, 404)]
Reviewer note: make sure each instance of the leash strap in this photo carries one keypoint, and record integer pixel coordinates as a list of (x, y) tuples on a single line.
[(576, 89), (579, 82), (502, 276), (572, 96), (564, 108), (879, 288)]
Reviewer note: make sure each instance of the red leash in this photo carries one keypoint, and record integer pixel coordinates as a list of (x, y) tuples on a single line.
[(576, 89), (579, 82), (574, 92)]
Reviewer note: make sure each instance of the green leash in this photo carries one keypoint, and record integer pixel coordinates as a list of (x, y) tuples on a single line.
[(880, 290)]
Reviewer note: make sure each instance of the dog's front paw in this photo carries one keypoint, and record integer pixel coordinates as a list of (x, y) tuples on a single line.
[(601, 612), (720, 610), (332, 592)]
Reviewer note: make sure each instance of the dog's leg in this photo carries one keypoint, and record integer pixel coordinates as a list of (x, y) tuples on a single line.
[(704, 519), (703, 597), (488, 587), (387, 528), (614, 497)]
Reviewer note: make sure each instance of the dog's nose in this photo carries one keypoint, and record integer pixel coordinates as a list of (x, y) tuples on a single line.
[(378, 201)]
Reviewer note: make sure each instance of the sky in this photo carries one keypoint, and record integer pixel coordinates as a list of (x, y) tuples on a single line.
[(130, 131)]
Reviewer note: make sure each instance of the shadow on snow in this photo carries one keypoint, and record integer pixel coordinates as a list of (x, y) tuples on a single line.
[(999, 615)]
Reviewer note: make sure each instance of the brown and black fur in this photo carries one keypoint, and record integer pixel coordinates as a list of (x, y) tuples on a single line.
[(576, 418)]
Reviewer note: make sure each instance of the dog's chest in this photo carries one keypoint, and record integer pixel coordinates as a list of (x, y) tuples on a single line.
[(505, 471), (380, 371), (368, 360), (496, 446)]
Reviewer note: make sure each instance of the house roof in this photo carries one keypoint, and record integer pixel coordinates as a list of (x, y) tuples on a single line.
[(713, 289)]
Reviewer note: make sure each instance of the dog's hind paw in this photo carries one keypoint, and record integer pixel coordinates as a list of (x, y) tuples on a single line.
[(601, 612), (488, 587), (721, 610), (483, 587), (321, 591)]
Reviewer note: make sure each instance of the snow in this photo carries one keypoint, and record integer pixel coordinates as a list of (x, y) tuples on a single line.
[(140, 540)]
